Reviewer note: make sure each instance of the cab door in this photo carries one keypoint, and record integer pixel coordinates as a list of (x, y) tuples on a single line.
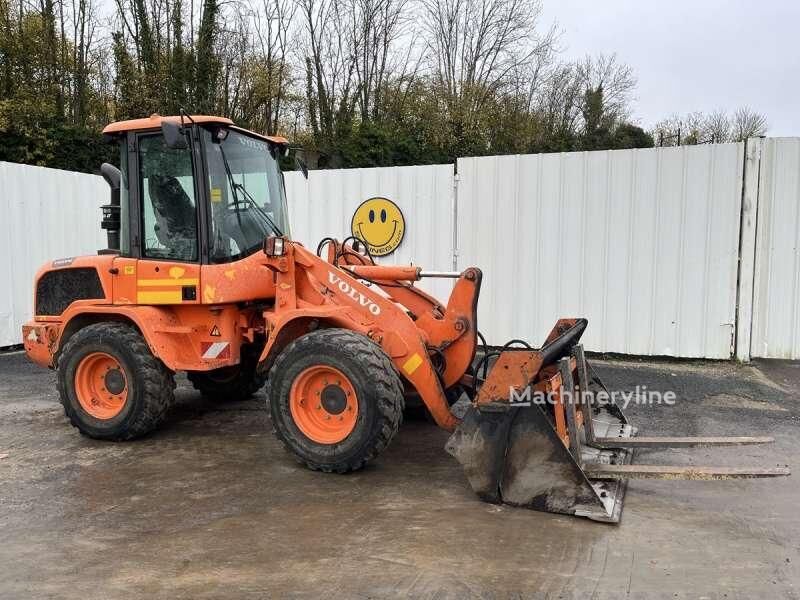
[(163, 202)]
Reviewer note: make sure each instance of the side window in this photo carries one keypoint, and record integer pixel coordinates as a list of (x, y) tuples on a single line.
[(169, 206)]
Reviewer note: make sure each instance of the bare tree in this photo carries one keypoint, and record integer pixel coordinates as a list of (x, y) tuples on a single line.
[(747, 123), (718, 126), (558, 103), (328, 58), (667, 132), (377, 25), (693, 129), (616, 80), (84, 24), (475, 46), (233, 51), (273, 29)]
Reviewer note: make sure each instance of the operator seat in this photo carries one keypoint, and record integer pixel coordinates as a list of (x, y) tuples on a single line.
[(176, 222)]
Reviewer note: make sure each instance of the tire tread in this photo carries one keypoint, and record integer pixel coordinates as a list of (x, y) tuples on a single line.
[(383, 374), (159, 382)]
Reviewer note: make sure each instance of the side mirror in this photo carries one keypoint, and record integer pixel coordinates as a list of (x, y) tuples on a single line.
[(173, 135), (300, 165)]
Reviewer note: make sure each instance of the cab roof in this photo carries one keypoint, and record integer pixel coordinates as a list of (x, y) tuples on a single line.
[(154, 122)]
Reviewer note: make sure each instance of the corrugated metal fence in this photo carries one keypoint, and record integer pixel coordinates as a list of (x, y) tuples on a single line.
[(44, 214), (645, 243), (776, 298), (323, 206)]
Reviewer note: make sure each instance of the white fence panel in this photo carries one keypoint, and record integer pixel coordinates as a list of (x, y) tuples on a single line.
[(644, 243), (776, 297), (44, 214), (323, 206)]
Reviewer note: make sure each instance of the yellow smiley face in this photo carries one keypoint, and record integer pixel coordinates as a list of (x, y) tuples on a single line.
[(379, 223)]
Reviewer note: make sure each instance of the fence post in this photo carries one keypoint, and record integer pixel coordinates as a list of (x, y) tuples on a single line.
[(454, 216), (748, 230)]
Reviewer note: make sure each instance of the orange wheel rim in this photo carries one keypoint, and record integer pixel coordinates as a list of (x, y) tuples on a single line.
[(101, 385), (323, 404)]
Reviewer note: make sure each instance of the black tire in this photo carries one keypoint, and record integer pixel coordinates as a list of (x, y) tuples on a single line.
[(378, 389), (150, 385), (230, 384)]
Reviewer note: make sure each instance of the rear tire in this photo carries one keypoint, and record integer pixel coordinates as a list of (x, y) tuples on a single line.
[(230, 384), (111, 385), (361, 392)]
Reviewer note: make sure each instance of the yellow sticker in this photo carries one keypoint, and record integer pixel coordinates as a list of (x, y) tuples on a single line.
[(412, 364), (167, 282), (216, 194), (176, 272), (159, 297), (380, 223), (129, 270)]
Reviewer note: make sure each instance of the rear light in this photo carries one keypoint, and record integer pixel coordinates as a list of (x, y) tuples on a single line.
[(275, 246)]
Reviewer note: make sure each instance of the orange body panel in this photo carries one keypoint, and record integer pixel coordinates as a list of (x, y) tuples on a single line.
[(154, 122), (196, 317), (309, 290), (241, 281), (179, 330), (514, 370), (518, 369)]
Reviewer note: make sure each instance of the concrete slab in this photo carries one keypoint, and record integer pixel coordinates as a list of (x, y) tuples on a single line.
[(210, 507)]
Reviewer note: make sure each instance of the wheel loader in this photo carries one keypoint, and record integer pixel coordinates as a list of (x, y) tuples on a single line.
[(201, 276)]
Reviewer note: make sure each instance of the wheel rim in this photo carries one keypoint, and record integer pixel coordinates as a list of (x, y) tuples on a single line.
[(101, 385), (323, 404)]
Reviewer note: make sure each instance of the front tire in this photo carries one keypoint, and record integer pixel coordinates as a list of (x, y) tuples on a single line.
[(111, 385), (335, 399)]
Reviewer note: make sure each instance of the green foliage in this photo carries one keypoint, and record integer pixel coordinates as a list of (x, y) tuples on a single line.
[(207, 66), (59, 86), (631, 136), (597, 130), (129, 103), (40, 139)]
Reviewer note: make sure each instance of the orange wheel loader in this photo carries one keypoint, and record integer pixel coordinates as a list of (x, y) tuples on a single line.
[(202, 276)]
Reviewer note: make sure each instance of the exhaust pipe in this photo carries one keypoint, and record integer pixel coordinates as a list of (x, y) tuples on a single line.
[(111, 211)]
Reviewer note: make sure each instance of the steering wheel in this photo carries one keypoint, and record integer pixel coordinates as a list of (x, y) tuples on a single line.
[(240, 206)]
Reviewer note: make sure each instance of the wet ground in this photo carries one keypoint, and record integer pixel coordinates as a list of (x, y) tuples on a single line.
[(211, 507)]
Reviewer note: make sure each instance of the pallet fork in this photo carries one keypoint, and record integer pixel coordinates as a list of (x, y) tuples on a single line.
[(537, 436)]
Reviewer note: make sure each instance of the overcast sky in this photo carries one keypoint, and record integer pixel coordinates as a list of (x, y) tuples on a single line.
[(695, 55)]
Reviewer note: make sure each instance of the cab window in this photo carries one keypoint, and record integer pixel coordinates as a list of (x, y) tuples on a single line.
[(169, 205), (246, 193)]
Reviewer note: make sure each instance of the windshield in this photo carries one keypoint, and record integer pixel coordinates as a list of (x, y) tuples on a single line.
[(246, 191)]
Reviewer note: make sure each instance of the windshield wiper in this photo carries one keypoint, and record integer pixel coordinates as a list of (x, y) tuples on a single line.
[(238, 186), (261, 212)]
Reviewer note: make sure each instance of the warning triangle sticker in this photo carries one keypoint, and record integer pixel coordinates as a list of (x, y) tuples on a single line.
[(215, 332)]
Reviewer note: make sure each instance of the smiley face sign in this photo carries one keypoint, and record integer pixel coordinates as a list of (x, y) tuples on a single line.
[(380, 223)]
